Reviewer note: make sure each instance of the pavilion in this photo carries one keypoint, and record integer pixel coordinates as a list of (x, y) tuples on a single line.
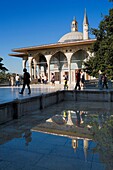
[(63, 57)]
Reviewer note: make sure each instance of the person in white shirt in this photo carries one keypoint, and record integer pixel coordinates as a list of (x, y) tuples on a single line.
[(17, 79)]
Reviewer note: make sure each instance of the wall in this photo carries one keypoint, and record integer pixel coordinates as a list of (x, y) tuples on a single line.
[(18, 108)]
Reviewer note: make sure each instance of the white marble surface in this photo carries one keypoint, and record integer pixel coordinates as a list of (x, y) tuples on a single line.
[(9, 93)]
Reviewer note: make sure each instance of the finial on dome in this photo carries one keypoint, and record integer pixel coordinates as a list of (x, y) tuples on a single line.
[(74, 18), (74, 25)]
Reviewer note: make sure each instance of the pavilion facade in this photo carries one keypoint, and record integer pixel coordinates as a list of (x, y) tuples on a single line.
[(63, 57)]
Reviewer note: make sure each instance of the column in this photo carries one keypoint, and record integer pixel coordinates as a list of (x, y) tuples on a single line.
[(48, 57), (30, 67), (89, 55), (35, 67), (88, 77), (69, 55), (23, 63)]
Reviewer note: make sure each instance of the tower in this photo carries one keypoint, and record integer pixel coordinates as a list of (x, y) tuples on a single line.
[(85, 27), (74, 25)]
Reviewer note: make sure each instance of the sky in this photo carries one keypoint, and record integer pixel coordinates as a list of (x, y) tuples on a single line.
[(25, 23)]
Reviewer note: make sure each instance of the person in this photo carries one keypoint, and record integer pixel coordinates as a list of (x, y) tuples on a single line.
[(82, 79), (53, 79), (104, 81), (17, 79), (100, 80), (26, 81), (78, 75), (65, 81), (12, 81)]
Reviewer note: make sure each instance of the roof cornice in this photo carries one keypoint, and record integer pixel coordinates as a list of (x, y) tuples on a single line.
[(51, 46)]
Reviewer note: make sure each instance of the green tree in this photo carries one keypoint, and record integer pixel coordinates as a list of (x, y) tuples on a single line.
[(2, 68), (102, 48), (104, 138)]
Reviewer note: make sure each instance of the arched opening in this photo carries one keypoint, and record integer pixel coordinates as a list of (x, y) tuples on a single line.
[(58, 66), (39, 66), (77, 60)]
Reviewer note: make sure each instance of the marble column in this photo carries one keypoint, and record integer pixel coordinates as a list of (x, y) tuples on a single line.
[(35, 67), (30, 65), (48, 57), (69, 55), (23, 63)]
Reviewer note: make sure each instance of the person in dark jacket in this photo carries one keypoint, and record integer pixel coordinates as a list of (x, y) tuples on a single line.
[(104, 81), (78, 75), (26, 81)]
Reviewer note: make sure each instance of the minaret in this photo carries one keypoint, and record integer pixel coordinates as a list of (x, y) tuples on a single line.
[(75, 144), (69, 121), (74, 25), (85, 27), (85, 148)]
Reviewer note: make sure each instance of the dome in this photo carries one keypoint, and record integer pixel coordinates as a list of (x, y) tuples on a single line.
[(71, 36)]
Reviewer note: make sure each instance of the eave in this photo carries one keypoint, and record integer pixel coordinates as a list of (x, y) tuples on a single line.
[(51, 46), (23, 52), (21, 55)]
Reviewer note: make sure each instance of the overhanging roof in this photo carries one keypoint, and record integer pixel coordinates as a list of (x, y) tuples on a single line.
[(18, 55), (24, 51)]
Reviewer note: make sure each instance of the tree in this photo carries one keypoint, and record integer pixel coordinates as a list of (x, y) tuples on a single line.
[(102, 48), (2, 68), (104, 138)]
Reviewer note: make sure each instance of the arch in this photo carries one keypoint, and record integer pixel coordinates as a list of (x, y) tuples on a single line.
[(38, 65), (58, 65), (59, 60), (77, 59)]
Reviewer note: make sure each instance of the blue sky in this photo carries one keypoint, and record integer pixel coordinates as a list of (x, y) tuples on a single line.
[(26, 23)]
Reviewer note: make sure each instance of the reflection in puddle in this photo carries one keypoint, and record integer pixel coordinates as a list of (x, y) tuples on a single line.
[(44, 150), (41, 150), (80, 118), (28, 136), (75, 145), (99, 123)]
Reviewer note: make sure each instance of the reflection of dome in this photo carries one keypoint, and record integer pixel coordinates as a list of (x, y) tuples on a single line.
[(71, 36), (58, 119)]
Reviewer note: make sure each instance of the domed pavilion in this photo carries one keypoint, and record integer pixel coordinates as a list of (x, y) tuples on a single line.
[(61, 58)]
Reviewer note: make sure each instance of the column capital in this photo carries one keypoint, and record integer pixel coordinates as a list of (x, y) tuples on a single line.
[(68, 56), (48, 57)]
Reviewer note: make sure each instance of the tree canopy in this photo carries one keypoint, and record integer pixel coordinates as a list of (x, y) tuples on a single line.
[(102, 48), (2, 68), (104, 138)]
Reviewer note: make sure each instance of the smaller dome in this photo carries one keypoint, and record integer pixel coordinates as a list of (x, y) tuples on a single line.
[(71, 36)]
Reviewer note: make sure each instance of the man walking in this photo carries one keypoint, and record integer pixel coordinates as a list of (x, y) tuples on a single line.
[(78, 75), (26, 81)]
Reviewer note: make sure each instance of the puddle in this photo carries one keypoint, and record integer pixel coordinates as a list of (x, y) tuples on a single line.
[(35, 150), (75, 122), (75, 136), (79, 118)]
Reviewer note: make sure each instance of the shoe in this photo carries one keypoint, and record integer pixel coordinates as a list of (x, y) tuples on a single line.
[(29, 93), (20, 93)]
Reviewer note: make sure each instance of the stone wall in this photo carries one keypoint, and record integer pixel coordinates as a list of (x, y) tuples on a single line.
[(18, 108)]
